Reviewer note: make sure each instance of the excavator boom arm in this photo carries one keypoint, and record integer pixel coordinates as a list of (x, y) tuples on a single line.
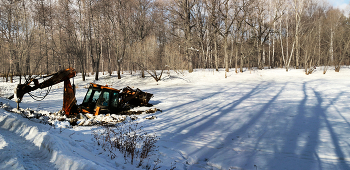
[(64, 75)]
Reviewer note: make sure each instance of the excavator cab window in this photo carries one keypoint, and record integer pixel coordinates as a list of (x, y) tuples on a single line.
[(90, 99), (96, 96), (92, 95), (115, 99), (87, 96), (104, 100)]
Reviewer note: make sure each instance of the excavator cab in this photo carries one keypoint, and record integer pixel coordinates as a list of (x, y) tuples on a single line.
[(103, 99), (100, 100)]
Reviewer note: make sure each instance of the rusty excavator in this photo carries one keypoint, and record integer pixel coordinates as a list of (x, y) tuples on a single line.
[(99, 99)]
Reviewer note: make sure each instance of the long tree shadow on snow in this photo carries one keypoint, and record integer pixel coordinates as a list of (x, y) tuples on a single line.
[(286, 154), (335, 139), (217, 148), (207, 119), (173, 121), (306, 126)]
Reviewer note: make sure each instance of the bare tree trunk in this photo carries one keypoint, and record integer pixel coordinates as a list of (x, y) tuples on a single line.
[(236, 56), (241, 65), (259, 50), (298, 12), (331, 51), (216, 55), (109, 57), (305, 61), (269, 56), (187, 25), (102, 60), (273, 46), (287, 44), (319, 43), (226, 55), (241, 51)]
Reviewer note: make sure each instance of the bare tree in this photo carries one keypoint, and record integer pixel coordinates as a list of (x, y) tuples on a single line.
[(213, 28), (183, 18), (261, 28), (229, 11), (10, 20)]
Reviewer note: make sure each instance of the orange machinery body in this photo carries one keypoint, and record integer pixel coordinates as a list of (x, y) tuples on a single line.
[(98, 99)]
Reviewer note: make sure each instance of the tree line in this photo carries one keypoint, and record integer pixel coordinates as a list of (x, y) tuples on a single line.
[(44, 36)]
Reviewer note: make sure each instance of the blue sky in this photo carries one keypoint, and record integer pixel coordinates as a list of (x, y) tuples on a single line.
[(339, 3)]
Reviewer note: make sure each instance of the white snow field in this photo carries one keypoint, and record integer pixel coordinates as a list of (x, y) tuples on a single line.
[(262, 119)]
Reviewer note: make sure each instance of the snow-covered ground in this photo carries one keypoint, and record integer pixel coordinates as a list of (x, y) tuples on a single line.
[(262, 119)]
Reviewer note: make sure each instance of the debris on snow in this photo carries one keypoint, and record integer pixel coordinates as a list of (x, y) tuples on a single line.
[(151, 117), (59, 120)]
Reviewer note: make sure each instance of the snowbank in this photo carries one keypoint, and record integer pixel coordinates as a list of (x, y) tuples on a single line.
[(58, 149)]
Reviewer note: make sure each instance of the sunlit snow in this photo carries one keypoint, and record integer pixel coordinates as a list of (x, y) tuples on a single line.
[(259, 119)]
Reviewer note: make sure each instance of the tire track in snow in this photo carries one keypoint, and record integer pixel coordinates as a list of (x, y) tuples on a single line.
[(18, 153)]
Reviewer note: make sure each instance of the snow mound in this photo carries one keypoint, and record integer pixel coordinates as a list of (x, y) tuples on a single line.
[(59, 153)]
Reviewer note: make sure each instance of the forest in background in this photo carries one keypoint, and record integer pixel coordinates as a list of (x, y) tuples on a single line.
[(43, 36)]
